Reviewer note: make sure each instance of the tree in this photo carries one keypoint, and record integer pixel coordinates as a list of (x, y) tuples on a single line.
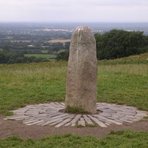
[(62, 55), (119, 43)]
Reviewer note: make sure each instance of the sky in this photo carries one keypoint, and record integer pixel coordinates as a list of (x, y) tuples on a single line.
[(73, 10)]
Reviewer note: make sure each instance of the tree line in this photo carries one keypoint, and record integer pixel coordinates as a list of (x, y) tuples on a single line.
[(8, 57), (116, 44)]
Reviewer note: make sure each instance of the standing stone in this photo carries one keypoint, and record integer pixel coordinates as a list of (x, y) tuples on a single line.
[(82, 72)]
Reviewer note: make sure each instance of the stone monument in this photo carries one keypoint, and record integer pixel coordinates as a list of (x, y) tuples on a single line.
[(80, 94), (82, 72)]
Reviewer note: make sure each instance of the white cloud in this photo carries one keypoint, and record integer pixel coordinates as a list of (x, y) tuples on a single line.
[(74, 10), (117, 2)]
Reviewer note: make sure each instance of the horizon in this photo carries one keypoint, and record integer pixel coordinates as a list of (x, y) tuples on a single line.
[(74, 22)]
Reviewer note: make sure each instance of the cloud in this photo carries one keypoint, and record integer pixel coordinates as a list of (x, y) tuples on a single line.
[(74, 10), (115, 2), (74, 2), (71, 3)]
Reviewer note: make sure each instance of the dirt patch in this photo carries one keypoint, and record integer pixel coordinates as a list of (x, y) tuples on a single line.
[(17, 128)]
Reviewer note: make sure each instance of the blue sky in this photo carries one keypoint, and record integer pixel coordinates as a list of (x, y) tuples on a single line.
[(74, 10)]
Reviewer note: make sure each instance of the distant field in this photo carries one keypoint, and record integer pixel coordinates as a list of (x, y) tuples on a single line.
[(126, 139), (44, 56), (59, 41), (22, 84)]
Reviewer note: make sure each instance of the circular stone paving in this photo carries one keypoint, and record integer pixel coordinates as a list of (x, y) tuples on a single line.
[(50, 114)]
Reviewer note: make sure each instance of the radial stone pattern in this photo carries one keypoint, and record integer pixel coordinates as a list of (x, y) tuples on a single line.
[(53, 114)]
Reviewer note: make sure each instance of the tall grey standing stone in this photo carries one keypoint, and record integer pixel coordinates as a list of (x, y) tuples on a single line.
[(82, 71)]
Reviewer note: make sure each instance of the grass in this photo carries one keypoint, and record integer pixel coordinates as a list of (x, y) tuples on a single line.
[(126, 139), (75, 110), (22, 84), (124, 84), (119, 81), (136, 59)]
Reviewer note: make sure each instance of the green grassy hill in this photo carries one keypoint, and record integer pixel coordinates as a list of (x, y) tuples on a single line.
[(119, 81), (123, 81), (135, 59)]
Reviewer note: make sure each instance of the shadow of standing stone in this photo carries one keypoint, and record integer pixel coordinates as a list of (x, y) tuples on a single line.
[(82, 72)]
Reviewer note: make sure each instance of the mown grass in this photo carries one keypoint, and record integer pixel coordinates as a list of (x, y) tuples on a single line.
[(124, 84), (126, 139), (22, 84)]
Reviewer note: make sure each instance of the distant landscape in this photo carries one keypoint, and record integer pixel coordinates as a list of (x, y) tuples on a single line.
[(44, 41)]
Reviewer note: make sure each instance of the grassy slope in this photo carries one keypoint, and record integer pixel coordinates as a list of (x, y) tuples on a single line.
[(115, 140), (22, 84), (136, 59)]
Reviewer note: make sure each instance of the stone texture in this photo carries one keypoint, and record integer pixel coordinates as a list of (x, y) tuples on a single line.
[(82, 71), (81, 122), (51, 115)]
